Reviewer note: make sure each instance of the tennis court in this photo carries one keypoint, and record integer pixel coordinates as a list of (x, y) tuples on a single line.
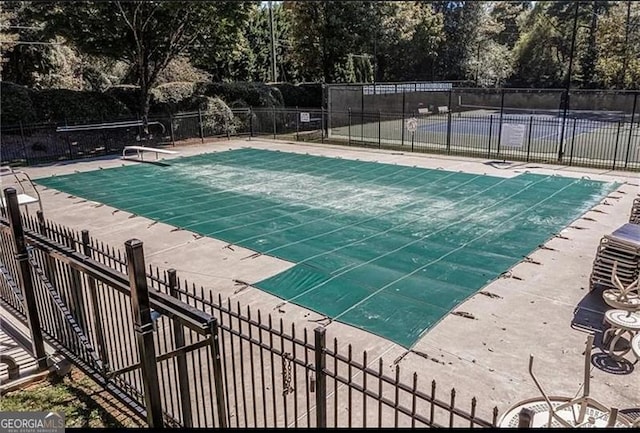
[(387, 248), (544, 126)]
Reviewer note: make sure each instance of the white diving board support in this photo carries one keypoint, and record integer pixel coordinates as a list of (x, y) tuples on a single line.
[(24, 199), (141, 149)]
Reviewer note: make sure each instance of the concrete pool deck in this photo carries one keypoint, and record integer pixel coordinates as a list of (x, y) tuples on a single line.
[(483, 353)]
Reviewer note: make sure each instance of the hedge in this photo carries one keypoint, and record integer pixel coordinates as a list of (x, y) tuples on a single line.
[(16, 104), (171, 97), (243, 94), (302, 95), (58, 105), (217, 117), (127, 94)]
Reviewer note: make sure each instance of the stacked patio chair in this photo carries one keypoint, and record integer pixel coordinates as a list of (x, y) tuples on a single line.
[(621, 246), (635, 212)]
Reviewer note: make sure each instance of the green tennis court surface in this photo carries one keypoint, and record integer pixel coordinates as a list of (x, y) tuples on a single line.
[(387, 248)]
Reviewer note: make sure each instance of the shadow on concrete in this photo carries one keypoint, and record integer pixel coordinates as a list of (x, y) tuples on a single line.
[(604, 362), (588, 317), (632, 413), (589, 314)]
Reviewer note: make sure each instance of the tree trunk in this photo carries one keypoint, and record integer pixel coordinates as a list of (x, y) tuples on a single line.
[(145, 88)]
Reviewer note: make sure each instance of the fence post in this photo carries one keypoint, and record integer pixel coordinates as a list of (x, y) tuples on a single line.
[(217, 373), (501, 117), (95, 307), (183, 377), (200, 125), (490, 135), (24, 144), (564, 122), (379, 128), (250, 123), (143, 327), (321, 378), (633, 115), (322, 124), (297, 124), (573, 140), (24, 276), (615, 149), (529, 139), (273, 111), (361, 114), (173, 141), (449, 123), (349, 126), (402, 126)]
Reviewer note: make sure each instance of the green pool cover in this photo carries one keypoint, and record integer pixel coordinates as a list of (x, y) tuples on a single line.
[(387, 248)]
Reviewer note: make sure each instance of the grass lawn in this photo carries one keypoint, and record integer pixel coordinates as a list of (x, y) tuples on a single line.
[(83, 402)]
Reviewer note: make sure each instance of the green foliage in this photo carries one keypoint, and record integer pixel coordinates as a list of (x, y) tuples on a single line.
[(167, 98), (315, 93), (147, 35), (537, 57), (251, 94), (217, 117), (99, 45), (16, 104), (508, 14), (461, 23), (410, 36), (58, 105), (77, 398), (181, 69), (127, 94), (618, 64), (325, 33), (308, 95)]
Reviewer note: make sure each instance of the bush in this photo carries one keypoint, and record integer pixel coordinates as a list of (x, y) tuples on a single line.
[(171, 97), (248, 94), (17, 104), (217, 117), (127, 94), (303, 96), (314, 90), (57, 105)]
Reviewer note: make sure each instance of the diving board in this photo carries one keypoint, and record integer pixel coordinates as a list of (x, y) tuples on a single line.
[(141, 149)]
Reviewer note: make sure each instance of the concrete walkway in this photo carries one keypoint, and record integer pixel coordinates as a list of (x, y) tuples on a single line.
[(483, 352)]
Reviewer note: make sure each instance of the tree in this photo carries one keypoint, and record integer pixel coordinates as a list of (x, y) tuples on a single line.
[(258, 37), (490, 65), (411, 34), (36, 58), (147, 35), (461, 22), (618, 42), (537, 59), (508, 14), (326, 33)]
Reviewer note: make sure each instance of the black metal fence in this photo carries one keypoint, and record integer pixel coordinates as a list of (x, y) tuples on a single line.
[(613, 145), (181, 356), (587, 138), (589, 128)]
